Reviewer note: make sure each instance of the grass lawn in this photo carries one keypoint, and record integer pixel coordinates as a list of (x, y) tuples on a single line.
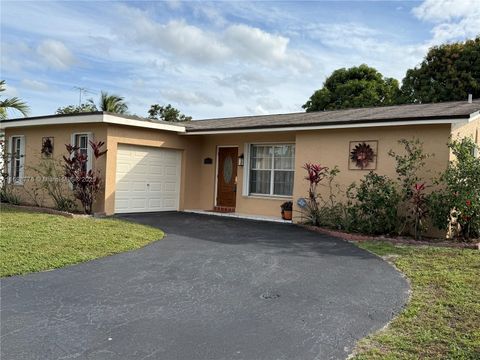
[(442, 319), (33, 241)]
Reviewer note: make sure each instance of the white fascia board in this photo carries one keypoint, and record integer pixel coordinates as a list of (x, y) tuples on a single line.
[(94, 118), (112, 119), (81, 119), (474, 116), (325, 127)]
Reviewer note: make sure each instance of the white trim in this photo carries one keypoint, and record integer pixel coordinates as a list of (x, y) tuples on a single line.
[(246, 172), (216, 171), (246, 169), (94, 118), (474, 116), (111, 119), (322, 127), (21, 172), (89, 148)]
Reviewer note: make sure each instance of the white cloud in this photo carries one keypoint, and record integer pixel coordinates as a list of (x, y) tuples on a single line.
[(55, 54), (175, 37), (454, 19), (269, 103), (235, 43), (34, 85), (190, 98), (10, 91), (257, 110)]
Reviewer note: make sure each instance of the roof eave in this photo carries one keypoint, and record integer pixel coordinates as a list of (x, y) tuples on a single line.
[(84, 118), (333, 125)]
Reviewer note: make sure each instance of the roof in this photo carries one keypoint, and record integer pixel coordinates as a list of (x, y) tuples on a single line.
[(373, 116), (434, 111)]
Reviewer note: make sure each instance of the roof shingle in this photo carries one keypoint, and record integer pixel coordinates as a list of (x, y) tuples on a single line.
[(445, 110)]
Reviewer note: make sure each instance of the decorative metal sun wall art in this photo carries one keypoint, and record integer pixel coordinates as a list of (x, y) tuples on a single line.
[(363, 155)]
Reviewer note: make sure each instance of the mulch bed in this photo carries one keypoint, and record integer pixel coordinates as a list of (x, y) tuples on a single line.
[(395, 240)]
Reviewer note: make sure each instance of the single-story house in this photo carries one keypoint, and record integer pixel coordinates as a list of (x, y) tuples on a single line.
[(247, 165)]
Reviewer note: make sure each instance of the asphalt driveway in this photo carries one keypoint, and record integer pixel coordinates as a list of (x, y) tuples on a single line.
[(214, 288)]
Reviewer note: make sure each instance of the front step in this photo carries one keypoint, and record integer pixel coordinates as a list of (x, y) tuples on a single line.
[(224, 209)]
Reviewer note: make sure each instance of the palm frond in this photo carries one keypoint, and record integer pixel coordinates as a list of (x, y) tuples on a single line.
[(15, 104)]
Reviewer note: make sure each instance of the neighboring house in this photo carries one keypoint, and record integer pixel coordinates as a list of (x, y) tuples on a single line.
[(249, 165)]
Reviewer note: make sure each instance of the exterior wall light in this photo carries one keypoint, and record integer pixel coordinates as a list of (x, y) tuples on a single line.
[(241, 160)]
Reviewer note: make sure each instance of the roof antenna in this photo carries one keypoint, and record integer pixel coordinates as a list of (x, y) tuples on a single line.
[(470, 98), (82, 90)]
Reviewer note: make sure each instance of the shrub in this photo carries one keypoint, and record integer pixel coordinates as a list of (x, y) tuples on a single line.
[(418, 210), (374, 205), (458, 199), (53, 182), (86, 183), (8, 195), (407, 166), (315, 174)]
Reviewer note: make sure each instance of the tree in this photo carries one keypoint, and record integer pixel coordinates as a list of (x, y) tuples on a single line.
[(167, 113), (13, 103), (360, 86), (74, 109), (448, 72), (107, 102), (112, 103)]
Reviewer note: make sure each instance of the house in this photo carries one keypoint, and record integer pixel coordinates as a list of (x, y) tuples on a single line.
[(248, 165)]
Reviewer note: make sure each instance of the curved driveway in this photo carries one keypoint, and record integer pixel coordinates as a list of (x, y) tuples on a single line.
[(214, 288)]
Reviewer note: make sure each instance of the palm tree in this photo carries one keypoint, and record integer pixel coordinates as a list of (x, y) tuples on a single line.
[(112, 103), (12, 103)]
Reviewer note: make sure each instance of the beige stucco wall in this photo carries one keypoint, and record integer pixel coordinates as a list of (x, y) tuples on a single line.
[(327, 147), (62, 135), (331, 148), (244, 204), (191, 160), (467, 129)]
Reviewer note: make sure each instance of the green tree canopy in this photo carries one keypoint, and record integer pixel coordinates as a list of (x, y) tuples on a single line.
[(167, 113), (89, 106), (360, 86), (112, 103), (13, 103), (448, 72), (107, 102)]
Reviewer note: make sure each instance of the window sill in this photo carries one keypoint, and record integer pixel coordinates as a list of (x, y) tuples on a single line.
[(268, 197)]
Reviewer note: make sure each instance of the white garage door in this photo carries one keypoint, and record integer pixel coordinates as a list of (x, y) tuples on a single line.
[(148, 179)]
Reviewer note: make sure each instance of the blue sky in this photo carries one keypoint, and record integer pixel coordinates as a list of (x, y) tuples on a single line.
[(213, 59)]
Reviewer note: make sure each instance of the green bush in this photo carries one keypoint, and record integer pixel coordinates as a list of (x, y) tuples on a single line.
[(459, 191), (374, 203), (7, 195)]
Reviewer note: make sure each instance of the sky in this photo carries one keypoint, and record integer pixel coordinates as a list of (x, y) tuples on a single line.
[(213, 59)]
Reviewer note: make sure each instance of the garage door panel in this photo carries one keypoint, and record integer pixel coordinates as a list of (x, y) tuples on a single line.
[(138, 166)]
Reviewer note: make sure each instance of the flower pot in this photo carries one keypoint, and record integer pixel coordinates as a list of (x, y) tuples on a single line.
[(287, 214)]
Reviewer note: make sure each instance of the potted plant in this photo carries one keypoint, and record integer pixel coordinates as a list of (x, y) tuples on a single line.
[(287, 210)]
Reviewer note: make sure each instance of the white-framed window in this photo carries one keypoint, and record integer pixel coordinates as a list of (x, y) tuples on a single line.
[(270, 169), (81, 140), (16, 165)]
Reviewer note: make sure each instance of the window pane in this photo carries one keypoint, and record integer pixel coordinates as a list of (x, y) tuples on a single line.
[(261, 157), (260, 181), (261, 163), (284, 157), (283, 183)]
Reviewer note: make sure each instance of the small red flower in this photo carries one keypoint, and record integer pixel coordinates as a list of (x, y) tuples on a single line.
[(468, 202)]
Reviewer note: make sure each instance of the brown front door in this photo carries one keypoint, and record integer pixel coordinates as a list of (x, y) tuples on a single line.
[(227, 176)]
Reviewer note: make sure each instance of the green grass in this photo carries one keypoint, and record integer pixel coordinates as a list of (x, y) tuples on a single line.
[(442, 319), (32, 242)]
